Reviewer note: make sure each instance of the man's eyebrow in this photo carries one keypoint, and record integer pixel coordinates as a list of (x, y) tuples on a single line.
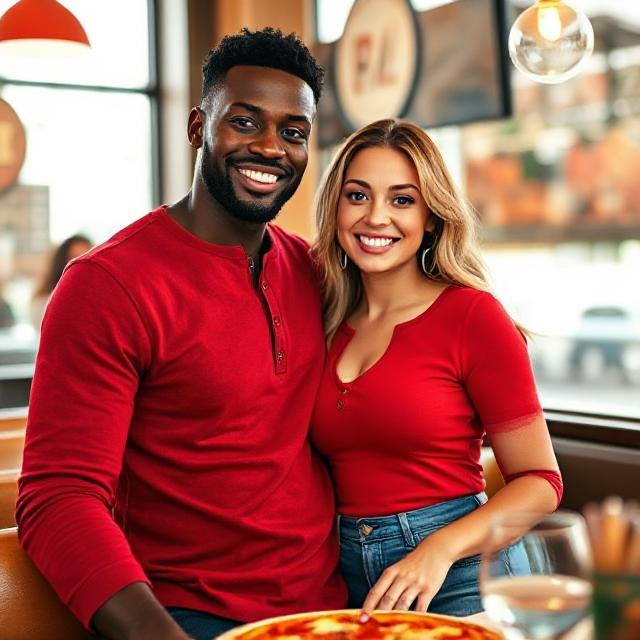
[(299, 119), (247, 106), (257, 110)]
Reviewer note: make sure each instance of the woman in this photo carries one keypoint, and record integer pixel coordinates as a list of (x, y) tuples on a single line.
[(69, 249), (422, 362)]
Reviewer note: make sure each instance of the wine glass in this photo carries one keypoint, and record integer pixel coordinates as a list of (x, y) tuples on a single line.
[(535, 574)]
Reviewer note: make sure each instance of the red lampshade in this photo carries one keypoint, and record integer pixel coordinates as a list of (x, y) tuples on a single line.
[(41, 20)]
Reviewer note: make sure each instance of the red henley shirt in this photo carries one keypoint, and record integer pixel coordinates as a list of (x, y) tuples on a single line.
[(167, 434)]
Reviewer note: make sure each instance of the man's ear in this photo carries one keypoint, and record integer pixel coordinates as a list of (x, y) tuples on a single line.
[(195, 126)]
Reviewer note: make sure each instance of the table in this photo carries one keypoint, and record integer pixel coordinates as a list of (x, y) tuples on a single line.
[(582, 631)]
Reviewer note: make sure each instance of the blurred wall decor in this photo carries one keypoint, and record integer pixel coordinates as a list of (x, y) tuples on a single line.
[(13, 145), (441, 66)]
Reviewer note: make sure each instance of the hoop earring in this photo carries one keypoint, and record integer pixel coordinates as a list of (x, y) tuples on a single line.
[(343, 258), (425, 270), (426, 256)]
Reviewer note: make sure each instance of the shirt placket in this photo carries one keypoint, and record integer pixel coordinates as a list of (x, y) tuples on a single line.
[(280, 352)]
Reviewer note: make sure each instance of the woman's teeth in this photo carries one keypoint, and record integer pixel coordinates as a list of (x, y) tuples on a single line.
[(259, 176), (375, 242)]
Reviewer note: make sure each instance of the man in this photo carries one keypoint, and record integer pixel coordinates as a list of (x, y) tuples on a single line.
[(167, 462)]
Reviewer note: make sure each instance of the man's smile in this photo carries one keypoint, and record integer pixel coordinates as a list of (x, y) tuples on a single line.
[(259, 178)]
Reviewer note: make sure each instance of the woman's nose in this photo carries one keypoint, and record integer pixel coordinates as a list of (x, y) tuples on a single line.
[(377, 215)]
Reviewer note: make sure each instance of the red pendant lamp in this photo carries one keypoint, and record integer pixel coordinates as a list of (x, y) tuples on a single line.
[(41, 28)]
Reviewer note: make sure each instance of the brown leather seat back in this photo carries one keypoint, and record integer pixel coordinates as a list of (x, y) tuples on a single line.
[(12, 419), (29, 609), (11, 449), (8, 496)]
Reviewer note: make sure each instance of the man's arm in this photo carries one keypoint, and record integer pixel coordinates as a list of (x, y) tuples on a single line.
[(135, 614), (93, 350)]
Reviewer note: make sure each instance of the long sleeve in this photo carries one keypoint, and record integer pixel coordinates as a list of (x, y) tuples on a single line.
[(93, 350)]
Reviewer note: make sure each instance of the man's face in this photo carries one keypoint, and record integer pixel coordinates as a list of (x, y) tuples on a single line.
[(255, 131)]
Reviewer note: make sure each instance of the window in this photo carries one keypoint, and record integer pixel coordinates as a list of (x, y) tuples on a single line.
[(91, 163)]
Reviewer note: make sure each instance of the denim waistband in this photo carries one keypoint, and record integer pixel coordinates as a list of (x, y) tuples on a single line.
[(433, 516)]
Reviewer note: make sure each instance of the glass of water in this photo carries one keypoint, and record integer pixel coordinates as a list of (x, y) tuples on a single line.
[(535, 574)]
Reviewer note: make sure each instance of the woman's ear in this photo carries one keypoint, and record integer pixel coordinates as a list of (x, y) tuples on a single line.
[(434, 224), (430, 224)]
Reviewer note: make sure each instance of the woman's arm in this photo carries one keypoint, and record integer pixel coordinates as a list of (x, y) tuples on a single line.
[(518, 453), (420, 574)]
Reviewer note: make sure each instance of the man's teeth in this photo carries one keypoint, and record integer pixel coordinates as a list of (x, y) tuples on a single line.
[(375, 242), (258, 176)]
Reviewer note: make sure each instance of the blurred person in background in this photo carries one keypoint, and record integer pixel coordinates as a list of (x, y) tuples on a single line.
[(423, 362), (71, 248)]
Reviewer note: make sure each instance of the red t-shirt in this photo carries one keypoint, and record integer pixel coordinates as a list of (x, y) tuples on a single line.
[(171, 391), (407, 433)]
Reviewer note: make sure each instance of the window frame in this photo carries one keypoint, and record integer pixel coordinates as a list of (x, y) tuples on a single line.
[(151, 91)]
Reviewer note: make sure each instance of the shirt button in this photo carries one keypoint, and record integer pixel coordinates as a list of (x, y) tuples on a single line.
[(276, 321), (340, 404), (280, 356), (344, 391), (265, 286)]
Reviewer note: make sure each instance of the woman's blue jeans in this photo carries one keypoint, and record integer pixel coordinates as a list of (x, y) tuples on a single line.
[(369, 545)]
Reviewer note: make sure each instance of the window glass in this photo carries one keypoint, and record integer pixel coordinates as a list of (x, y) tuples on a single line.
[(119, 54), (88, 168), (557, 191), (91, 150)]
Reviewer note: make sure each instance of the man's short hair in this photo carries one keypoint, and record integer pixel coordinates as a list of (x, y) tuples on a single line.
[(265, 48)]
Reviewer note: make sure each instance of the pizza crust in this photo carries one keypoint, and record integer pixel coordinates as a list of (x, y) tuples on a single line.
[(343, 624)]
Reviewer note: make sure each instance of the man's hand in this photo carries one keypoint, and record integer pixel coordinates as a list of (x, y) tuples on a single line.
[(135, 614)]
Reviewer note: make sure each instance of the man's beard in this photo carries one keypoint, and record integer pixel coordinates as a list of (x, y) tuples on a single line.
[(220, 187)]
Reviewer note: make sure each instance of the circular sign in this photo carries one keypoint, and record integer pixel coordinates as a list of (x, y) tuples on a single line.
[(13, 145), (376, 61)]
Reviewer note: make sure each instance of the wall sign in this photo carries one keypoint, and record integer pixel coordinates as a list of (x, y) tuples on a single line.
[(376, 62), (13, 145)]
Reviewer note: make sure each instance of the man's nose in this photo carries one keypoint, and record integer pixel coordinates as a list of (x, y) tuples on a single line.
[(268, 145)]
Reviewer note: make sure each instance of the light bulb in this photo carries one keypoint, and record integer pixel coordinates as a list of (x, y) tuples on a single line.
[(549, 23), (550, 41)]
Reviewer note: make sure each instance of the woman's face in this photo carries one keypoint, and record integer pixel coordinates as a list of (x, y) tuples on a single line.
[(382, 215)]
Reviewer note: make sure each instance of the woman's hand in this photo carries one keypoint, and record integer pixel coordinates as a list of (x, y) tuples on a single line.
[(419, 575)]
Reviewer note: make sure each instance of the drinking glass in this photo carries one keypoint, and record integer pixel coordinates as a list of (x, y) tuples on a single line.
[(535, 574)]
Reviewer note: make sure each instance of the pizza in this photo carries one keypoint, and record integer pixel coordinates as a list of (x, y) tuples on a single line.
[(344, 625)]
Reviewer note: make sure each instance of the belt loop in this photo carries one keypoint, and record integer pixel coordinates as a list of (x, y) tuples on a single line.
[(406, 529)]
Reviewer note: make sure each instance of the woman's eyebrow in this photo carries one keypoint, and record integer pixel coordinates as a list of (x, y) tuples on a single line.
[(362, 183), (397, 187)]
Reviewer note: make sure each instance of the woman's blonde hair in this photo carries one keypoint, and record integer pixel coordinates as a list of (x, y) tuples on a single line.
[(456, 258)]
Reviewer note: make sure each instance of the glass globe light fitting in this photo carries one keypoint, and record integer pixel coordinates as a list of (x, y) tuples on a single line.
[(550, 41)]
